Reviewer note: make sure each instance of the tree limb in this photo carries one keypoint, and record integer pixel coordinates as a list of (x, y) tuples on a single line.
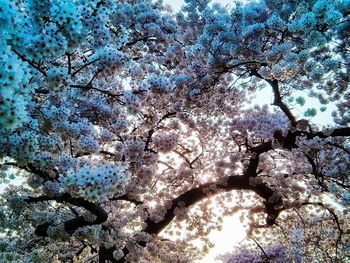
[(73, 224), (277, 97)]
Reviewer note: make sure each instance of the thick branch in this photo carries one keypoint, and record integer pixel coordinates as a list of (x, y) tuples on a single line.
[(40, 173), (341, 132), (127, 199), (199, 193), (288, 142), (106, 254), (73, 224)]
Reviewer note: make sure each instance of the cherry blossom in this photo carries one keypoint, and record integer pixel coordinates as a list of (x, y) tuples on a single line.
[(121, 121)]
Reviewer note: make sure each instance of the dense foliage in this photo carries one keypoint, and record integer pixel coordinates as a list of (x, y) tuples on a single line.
[(118, 116)]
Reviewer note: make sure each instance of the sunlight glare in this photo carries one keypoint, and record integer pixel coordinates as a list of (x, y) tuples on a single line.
[(231, 234)]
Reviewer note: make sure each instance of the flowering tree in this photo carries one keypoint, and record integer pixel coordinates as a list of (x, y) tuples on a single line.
[(118, 116)]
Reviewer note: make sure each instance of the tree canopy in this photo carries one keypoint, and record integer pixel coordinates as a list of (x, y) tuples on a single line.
[(118, 116)]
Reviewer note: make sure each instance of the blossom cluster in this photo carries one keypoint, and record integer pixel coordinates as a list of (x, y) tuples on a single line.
[(277, 252), (88, 143), (120, 125), (108, 57), (14, 75), (159, 85), (108, 99), (165, 142), (260, 122), (97, 183), (57, 78), (132, 102), (133, 149)]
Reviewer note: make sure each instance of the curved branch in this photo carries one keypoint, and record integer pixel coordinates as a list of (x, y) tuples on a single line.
[(242, 182), (73, 224), (339, 147), (127, 199), (335, 219), (277, 97), (334, 215), (40, 173), (318, 175), (201, 192)]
